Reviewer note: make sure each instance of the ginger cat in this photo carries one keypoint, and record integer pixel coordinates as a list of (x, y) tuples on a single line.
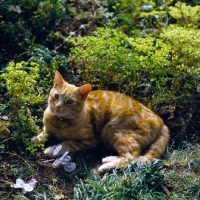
[(82, 118)]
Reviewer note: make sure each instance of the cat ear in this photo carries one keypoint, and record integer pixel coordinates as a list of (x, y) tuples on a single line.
[(84, 90), (58, 81)]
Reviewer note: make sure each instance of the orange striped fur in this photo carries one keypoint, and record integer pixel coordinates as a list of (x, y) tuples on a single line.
[(82, 118)]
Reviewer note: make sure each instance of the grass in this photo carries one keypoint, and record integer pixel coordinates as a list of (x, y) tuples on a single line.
[(176, 177), (183, 170), (136, 182)]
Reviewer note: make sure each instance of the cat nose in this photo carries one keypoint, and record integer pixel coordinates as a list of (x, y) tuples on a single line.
[(58, 107)]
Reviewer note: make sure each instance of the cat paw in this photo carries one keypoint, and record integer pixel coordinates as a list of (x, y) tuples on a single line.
[(36, 140), (39, 139), (54, 151), (103, 169), (109, 159), (49, 151), (110, 163)]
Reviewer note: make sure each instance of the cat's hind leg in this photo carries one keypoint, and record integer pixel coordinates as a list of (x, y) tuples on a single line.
[(112, 162), (109, 159), (128, 150)]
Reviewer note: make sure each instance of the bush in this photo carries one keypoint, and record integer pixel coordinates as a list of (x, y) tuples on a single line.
[(26, 23), (132, 15), (187, 16), (48, 65), (22, 82), (165, 68)]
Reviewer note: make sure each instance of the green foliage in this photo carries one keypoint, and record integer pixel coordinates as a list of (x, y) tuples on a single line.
[(103, 54), (183, 169), (48, 65), (155, 67), (184, 56), (187, 16), (136, 182), (28, 84), (21, 81), (25, 22), (138, 15)]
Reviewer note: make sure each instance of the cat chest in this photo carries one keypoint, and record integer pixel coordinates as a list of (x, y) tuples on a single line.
[(66, 130)]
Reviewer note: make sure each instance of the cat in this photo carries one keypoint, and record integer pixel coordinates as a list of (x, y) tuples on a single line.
[(82, 119)]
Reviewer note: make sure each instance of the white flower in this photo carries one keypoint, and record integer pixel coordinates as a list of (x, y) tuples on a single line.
[(26, 187), (70, 166), (64, 160)]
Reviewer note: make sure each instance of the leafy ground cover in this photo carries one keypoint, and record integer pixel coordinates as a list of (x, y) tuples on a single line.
[(39, 41)]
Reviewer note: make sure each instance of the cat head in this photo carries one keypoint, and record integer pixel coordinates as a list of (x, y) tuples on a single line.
[(67, 100)]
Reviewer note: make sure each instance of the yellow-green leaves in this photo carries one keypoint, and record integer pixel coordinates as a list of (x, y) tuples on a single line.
[(187, 16), (167, 65), (21, 81)]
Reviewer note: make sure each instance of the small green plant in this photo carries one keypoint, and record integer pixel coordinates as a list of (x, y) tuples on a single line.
[(21, 81), (4, 130), (135, 182), (27, 84), (103, 57)]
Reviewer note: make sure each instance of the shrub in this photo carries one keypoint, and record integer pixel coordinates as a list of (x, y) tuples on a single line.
[(187, 16), (25, 23), (22, 82), (138, 15), (48, 65), (184, 56), (103, 57), (165, 68)]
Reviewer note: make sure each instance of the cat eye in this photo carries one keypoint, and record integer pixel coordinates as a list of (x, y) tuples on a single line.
[(56, 96), (70, 101)]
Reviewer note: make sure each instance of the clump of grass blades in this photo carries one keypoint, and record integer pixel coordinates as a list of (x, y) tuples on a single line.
[(135, 182), (183, 169)]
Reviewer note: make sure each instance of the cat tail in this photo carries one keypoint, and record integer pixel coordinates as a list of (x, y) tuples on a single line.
[(157, 148)]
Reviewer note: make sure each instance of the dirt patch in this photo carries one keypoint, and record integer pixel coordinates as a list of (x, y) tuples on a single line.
[(55, 180)]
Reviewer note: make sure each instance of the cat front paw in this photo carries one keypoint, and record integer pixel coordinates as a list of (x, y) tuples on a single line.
[(39, 139), (49, 151), (55, 151)]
